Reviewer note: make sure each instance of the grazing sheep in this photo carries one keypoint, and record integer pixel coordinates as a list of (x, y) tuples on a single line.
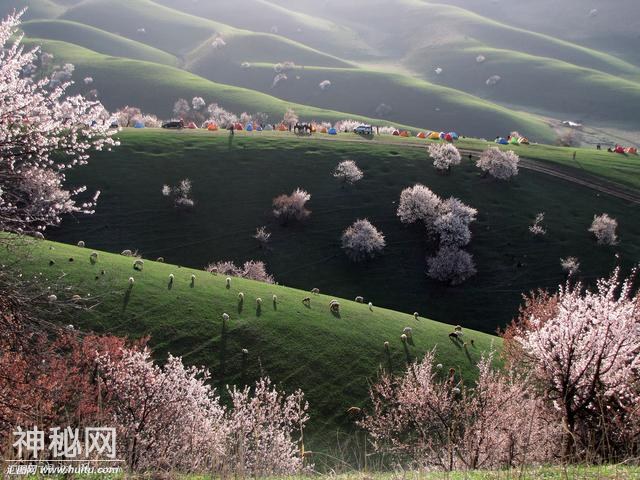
[(386, 346), (70, 327), (458, 328), (52, 262), (241, 297), (225, 318), (307, 301), (371, 306), (93, 257), (81, 244), (228, 282), (138, 265), (415, 315), (38, 235), (354, 411), (213, 270), (258, 302), (359, 299), (439, 366), (403, 337), (160, 259), (171, 278), (245, 351), (453, 335), (455, 391), (275, 299), (408, 331), (315, 291), (131, 281), (52, 298), (193, 280), (334, 306), (126, 253)]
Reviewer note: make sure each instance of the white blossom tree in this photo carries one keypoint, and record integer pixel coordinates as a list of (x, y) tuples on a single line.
[(418, 203), (348, 172), (604, 228), (290, 117), (451, 265), (181, 108), (43, 133), (444, 155), (181, 193), (292, 207), (362, 241), (499, 164)]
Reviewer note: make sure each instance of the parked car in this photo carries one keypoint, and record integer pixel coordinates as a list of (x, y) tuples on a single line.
[(363, 130), (174, 124)]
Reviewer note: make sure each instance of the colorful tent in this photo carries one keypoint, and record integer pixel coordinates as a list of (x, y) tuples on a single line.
[(268, 127), (404, 133), (192, 126), (502, 141), (139, 125), (332, 131), (442, 135), (249, 127), (323, 130), (434, 136), (238, 126), (212, 127), (513, 141), (619, 149), (422, 135), (454, 135), (632, 150), (523, 141), (259, 128), (396, 133), (448, 137), (282, 127)]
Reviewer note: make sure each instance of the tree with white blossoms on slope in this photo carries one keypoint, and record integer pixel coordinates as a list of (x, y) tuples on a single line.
[(418, 203), (444, 155), (362, 241), (604, 228), (43, 133), (499, 164), (348, 172)]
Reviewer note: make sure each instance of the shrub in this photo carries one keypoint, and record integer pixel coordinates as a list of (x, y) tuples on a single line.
[(444, 155), (451, 265), (348, 172), (604, 229), (252, 270), (362, 241), (291, 207), (499, 164), (537, 228), (262, 235)]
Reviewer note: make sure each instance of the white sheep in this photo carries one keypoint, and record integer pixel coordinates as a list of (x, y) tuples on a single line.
[(193, 280), (334, 306), (258, 302), (138, 265), (228, 282), (241, 297), (408, 331), (371, 306), (439, 366), (306, 301), (81, 244), (126, 253), (52, 298), (403, 337), (415, 315), (70, 327), (245, 351), (315, 291), (359, 299), (39, 235), (386, 345), (225, 317), (275, 299), (160, 259), (131, 281)]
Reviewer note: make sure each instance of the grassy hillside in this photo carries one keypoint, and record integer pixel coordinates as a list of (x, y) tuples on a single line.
[(412, 101), (330, 358), (155, 88), (583, 93), (235, 180), (96, 40), (266, 17), (36, 8)]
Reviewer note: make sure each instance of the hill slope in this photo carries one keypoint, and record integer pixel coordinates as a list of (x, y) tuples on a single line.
[(330, 358), (234, 182)]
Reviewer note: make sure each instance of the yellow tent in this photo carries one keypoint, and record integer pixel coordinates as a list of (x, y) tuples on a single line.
[(434, 136)]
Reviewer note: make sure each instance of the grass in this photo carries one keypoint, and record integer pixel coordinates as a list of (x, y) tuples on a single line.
[(97, 40), (331, 359), (235, 180)]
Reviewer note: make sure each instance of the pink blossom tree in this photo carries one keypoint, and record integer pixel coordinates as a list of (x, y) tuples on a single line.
[(252, 270), (362, 241), (290, 116), (127, 116), (292, 207), (37, 120), (583, 349), (604, 228), (418, 204), (499, 164), (220, 116), (348, 172), (444, 155)]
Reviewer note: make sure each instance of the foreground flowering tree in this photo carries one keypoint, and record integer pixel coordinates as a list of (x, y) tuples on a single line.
[(499, 164), (362, 241), (583, 350), (43, 133), (437, 422)]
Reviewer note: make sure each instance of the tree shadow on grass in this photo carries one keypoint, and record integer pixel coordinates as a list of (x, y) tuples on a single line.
[(223, 353), (127, 298)]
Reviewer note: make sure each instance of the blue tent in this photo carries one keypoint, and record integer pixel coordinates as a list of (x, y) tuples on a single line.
[(249, 127), (454, 135), (442, 135), (139, 125), (332, 131), (259, 128), (502, 141)]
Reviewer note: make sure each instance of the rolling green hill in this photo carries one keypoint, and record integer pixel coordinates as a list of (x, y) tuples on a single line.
[(35, 8), (97, 40), (235, 180), (330, 358)]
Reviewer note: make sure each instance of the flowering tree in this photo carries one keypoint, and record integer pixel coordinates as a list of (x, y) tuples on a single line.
[(604, 228), (362, 241), (290, 116), (571, 265), (220, 116), (418, 203), (444, 155), (453, 223), (266, 437), (499, 164), (292, 207), (181, 108), (444, 424), (198, 103), (583, 349), (128, 116), (252, 270), (348, 172), (451, 265), (537, 228), (181, 193), (262, 235), (38, 120)]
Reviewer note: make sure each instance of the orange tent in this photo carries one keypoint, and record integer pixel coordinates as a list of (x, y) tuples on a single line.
[(282, 128), (422, 135), (212, 127), (632, 150), (323, 130), (404, 133)]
